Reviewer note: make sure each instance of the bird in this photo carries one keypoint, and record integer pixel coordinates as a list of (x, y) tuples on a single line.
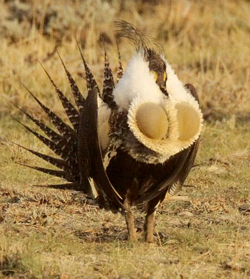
[(129, 145)]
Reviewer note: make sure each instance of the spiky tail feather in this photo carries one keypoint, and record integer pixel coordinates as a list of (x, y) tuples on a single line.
[(65, 143)]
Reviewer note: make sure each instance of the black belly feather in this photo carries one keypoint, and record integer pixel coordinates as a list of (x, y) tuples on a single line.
[(123, 170)]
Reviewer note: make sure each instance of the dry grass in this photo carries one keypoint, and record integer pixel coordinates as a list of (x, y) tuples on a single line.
[(45, 233), (208, 45)]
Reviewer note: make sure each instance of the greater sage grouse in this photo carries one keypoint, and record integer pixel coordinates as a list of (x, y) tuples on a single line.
[(131, 144)]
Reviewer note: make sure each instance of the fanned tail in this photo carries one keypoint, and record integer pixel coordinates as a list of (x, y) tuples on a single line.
[(51, 144), (65, 186), (57, 173), (71, 112), (55, 137), (57, 162), (108, 85), (65, 143), (90, 80), (79, 99), (120, 68), (64, 129)]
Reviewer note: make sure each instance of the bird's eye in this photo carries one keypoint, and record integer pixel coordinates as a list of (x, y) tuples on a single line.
[(155, 75), (165, 76)]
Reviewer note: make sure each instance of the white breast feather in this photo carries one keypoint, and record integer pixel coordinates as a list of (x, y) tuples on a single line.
[(137, 81)]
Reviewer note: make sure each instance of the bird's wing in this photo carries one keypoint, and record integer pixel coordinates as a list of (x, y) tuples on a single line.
[(90, 155), (175, 166)]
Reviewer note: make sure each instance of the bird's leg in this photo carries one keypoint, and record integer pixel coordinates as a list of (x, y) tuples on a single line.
[(150, 219), (149, 226), (129, 220)]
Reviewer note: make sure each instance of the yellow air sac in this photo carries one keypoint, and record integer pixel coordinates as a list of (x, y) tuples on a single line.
[(188, 121), (152, 121)]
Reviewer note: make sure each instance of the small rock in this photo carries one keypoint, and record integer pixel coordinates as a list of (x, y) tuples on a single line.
[(245, 208), (232, 265), (216, 169), (244, 228), (186, 214)]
